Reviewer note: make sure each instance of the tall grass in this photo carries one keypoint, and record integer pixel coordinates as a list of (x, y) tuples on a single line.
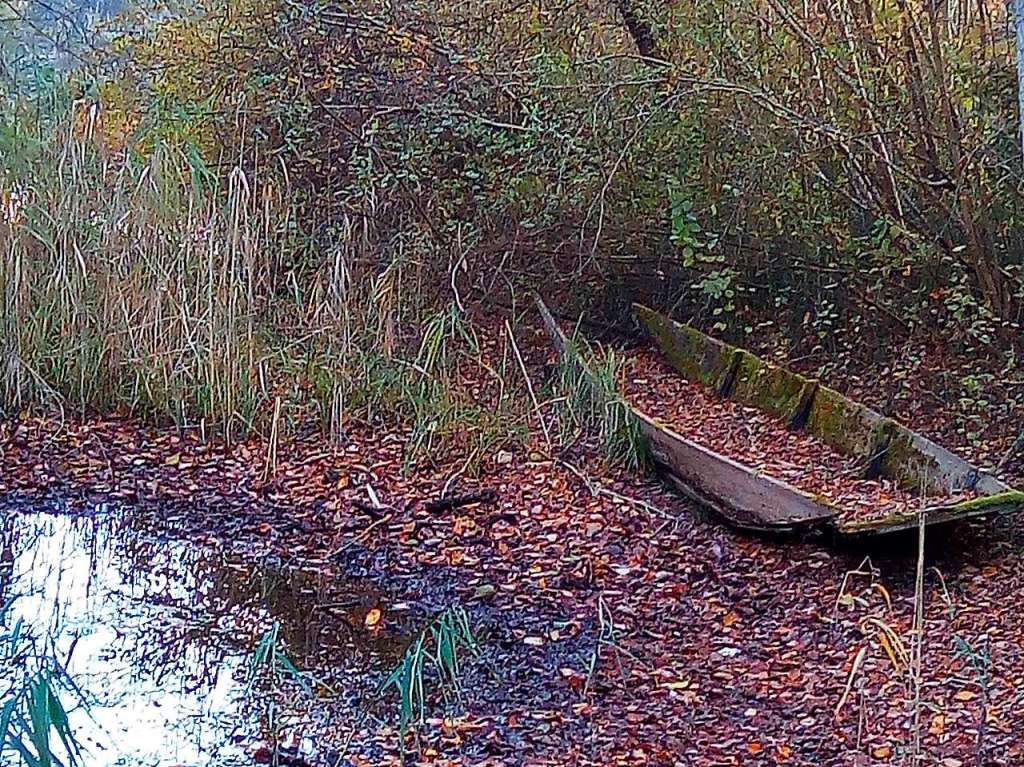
[(129, 279), (153, 282), (588, 400), (34, 725), (438, 648)]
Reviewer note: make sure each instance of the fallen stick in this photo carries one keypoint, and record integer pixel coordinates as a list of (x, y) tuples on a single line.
[(1014, 448), (359, 538), (529, 384), (373, 512), (458, 501), (596, 488)]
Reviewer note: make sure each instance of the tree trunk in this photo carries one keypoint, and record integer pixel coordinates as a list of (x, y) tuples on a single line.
[(640, 30), (976, 228)]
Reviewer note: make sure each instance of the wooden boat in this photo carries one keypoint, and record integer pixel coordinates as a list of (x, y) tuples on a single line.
[(754, 500)]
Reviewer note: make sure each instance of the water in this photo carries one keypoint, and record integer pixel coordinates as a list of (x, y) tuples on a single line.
[(159, 635)]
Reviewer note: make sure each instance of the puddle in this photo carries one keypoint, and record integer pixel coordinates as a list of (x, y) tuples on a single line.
[(159, 634)]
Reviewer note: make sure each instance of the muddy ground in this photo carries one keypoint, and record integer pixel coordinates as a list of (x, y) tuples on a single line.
[(618, 624)]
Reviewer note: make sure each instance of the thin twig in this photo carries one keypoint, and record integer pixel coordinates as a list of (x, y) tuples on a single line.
[(1017, 445), (359, 538), (597, 489), (529, 384), (918, 634)]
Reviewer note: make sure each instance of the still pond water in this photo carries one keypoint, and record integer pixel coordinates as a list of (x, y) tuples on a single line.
[(159, 635)]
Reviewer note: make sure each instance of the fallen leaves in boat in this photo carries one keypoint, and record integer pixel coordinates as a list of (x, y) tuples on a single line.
[(765, 443)]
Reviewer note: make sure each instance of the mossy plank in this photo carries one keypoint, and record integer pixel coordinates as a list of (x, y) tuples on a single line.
[(844, 424), (914, 461), (910, 467), (741, 494), (773, 389), (698, 357), (999, 503)]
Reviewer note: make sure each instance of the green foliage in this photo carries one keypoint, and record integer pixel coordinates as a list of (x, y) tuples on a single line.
[(254, 199), (34, 726), (270, 660), (434, 657), (687, 234), (177, 292), (977, 658), (587, 391)]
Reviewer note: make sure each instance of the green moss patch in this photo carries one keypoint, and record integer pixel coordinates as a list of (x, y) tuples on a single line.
[(843, 424), (905, 463), (1011, 499), (697, 356), (1008, 501), (773, 389)]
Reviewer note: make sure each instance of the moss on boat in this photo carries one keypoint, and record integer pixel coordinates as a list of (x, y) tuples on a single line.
[(773, 389), (697, 356), (887, 448), (844, 424), (1010, 500)]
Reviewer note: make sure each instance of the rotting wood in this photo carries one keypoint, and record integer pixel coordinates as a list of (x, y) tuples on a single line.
[(840, 422), (697, 356), (1000, 503), (888, 448), (737, 492), (752, 500), (487, 496)]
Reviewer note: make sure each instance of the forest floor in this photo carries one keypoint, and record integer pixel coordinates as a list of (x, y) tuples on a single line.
[(618, 624)]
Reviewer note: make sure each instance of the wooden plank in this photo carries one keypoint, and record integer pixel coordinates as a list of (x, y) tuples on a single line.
[(914, 460), (736, 491), (772, 389), (732, 372), (999, 503), (845, 425), (909, 458), (697, 356)]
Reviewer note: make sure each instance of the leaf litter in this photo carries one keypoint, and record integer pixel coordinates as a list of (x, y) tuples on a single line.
[(610, 634), (765, 443)]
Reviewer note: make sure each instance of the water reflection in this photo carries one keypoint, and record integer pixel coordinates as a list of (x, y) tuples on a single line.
[(159, 633)]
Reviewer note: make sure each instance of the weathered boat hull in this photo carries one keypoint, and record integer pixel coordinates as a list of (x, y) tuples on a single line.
[(897, 452), (753, 500), (733, 490)]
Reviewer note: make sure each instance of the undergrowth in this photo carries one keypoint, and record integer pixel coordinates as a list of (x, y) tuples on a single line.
[(34, 727), (432, 663), (588, 401), (154, 283)]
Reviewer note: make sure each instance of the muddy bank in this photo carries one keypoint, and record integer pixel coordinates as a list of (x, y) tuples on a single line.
[(160, 634), (614, 632)]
